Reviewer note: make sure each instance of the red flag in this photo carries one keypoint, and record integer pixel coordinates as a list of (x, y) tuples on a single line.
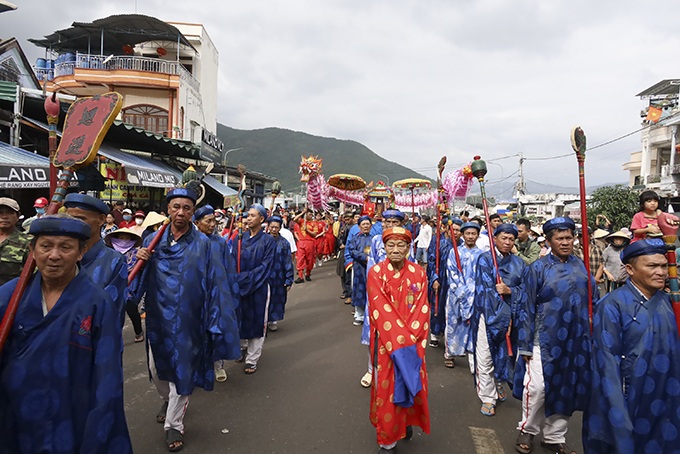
[(654, 114)]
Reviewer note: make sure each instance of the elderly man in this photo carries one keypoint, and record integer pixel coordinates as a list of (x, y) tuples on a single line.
[(191, 321), (359, 247), (107, 267), (397, 290), (634, 404), (13, 243), (553, 337), (205, 219), (492, 317), (282, 273), (256, 262), (461, 297), (391, 218), (61, 372)]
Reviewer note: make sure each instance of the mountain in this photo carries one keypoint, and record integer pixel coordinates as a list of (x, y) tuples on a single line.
[(276, 152), (532, 187)]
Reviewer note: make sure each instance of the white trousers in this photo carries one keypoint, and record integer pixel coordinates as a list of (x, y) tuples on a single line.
[(177, 404), (471, 362), (533, 405), (484, 371), (370, 361), (254, 346)]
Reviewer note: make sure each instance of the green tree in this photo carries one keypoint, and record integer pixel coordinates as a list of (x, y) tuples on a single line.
[(619, 203)]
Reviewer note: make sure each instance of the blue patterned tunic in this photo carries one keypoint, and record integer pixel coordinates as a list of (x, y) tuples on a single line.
[(438, 321), (257, 259), (359, 247), (497, 311), (635, 402), (61, 375), (555, 295), (191, 320), (280, 278), (108, 269), (461, 300)]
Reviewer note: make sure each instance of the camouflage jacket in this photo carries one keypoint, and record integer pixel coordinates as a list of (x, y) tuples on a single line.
[(13, 255)]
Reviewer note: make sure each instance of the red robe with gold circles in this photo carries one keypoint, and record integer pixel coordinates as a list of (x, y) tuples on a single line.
[(397, 305)]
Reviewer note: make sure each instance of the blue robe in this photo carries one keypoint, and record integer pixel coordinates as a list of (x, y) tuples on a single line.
[(191, 320), (376, 256), (108, 268), (460, 301), (61, 375), (281, 276), (438, 321), (497, 311), (359, 249), (559, 293), (222, 248), (634, 406), (257, 259), (376, 229)]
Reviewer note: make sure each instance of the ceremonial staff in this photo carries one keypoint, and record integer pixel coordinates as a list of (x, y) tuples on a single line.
[(241, 205), (578, 143), (87, 122), (479, 171)]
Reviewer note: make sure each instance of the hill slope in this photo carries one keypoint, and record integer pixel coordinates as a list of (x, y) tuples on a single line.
[(276, 152)]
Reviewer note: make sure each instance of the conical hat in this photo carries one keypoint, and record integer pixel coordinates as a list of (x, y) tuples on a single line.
[(107, 238), (152, 218)]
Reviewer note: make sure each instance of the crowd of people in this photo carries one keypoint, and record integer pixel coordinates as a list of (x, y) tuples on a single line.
[(512, 300)]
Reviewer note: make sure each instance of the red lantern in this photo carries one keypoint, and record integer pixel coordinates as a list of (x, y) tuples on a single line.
[(161, 51)]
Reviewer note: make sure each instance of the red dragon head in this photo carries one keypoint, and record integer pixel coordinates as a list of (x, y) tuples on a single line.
[(310, 167)]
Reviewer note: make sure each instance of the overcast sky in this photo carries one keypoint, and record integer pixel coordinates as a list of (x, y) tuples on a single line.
[(416, 80)]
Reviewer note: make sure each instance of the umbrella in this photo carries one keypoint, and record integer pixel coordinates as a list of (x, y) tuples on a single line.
[(411, 184), (347, 182)]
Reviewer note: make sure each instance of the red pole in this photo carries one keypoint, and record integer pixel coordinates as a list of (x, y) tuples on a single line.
[(578, 143), (52, 110), (154, 242)]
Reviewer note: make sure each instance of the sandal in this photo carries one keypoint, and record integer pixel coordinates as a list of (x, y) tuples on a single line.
[(490, 410), (220, 375), (558, 448), (172, 437), (449, 362), (525, 439), (366, 380), (250, 369), (139, 338), (501, 394), (160, 416), (243, 356)]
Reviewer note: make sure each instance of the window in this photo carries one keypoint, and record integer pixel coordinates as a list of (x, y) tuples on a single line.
[(151, 118)]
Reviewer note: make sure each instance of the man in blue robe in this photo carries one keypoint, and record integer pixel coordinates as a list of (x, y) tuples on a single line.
[(553, 337), (359, 247), (61, 372), (257, 259), (105, 266), (634, 405), (494, 309), (282, 274), (437, 281), (205, 221), (191, 320), (461, 297)]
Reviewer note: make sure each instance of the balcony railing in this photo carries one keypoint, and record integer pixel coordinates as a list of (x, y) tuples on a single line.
[(655, 178), (125, 62)]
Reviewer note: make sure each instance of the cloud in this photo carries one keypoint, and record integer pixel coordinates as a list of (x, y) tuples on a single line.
[(414, 80)]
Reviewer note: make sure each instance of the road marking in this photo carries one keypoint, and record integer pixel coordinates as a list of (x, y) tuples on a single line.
[(486, 441)]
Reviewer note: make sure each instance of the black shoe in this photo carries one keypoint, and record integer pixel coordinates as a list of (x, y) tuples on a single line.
[(299, 280), (409, 433), (307, 278)]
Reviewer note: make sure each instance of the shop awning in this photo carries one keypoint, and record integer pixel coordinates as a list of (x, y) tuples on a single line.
[(140, 170), (21, 169), (220, 188)]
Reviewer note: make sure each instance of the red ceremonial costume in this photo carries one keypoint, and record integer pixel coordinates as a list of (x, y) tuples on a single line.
[(320, 242), (305, 255), (397, 304)]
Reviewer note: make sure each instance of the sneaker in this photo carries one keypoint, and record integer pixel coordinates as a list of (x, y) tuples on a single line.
[(358, 322), (299, 280), (220, 375), (307, 278), (272, 326)]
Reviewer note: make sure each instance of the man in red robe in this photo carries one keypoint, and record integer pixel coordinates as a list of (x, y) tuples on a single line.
[(306, 231), (397, 304)]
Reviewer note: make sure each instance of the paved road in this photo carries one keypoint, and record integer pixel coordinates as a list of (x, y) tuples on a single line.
[(306, 396)]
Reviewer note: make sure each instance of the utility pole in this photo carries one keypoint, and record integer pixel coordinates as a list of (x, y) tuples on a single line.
[(520, 188)]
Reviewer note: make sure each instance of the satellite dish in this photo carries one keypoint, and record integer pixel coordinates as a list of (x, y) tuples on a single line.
[(161, 51)]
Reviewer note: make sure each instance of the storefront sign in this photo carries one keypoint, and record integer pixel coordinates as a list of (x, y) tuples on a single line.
[(27, 177), (117, 187), (211, 147)]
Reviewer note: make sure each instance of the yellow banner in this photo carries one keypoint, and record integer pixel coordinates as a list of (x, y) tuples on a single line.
[(117, 187)]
